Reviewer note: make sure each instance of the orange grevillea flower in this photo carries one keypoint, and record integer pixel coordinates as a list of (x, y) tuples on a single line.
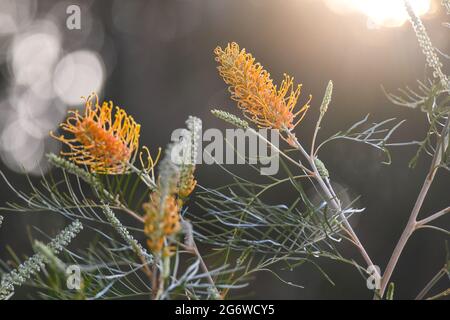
[(99, 141), (187, 181), (162, 219), (253, 89)]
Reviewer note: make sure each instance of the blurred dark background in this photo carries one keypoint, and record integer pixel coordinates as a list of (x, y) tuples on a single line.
[(155, 59)]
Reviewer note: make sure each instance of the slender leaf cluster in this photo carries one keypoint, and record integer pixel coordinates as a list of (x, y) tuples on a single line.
[(34, 264)]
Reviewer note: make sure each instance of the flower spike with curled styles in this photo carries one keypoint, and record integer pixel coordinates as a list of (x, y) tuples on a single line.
[(253, 89), (104, 144), (162, 220), (162, 212), (187, 180)]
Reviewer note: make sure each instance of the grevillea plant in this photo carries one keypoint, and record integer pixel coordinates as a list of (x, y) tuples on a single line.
[(145, 215)]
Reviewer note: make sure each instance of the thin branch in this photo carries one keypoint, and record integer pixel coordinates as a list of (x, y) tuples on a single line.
[(433, 217), (297, 163), (440, 295), (442, 272), (192, 248), (333, 202), (412, 221), (133, 214)]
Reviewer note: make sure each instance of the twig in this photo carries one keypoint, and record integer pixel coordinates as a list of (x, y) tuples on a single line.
[(192, 248), (297, 163), (442, 272), (133, 214), (333, 202), (204, 267), (440, 295), (316, 131), (433, 217), (412, 221)]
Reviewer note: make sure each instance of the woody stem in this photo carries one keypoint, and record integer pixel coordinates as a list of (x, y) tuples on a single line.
[(333, 201)]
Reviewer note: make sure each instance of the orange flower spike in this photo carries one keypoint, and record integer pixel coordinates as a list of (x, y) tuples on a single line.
[(253, 89), (160, 224), (187, 182), (99, 142)]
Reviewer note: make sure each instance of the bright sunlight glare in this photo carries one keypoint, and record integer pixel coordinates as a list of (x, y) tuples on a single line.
[(387, 13)]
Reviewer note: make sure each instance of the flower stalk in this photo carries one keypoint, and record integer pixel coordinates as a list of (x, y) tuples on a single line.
[(412, 223), (332, 200)]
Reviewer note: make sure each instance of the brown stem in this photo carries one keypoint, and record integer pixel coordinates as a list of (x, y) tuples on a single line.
[(409, 229), (145, 267), (204, 266), (194, 250), (297, 163), (442, 272), (130, 212), (433, 217), (440, 295), (334, 202), (412, 221)]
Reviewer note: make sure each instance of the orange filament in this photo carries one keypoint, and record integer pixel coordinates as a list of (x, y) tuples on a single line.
[(99, 142), (253, 89)]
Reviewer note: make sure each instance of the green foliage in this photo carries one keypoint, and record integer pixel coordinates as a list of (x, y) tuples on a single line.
[(375, 135), (432, 99), (241, 225), (246, 230), (34, 264)]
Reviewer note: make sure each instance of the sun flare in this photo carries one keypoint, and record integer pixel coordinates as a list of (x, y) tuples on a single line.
[(387, 13)]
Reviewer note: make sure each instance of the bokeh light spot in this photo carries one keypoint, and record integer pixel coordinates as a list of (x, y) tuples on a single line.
[(78, 74)]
